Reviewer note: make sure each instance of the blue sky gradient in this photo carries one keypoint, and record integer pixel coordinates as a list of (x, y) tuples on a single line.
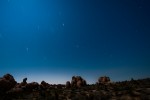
[(53, 40)]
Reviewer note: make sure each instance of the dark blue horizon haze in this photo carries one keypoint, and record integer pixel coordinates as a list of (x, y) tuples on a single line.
[(53, 40)]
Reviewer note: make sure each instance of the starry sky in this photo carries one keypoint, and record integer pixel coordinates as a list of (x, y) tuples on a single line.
[(53, 40)]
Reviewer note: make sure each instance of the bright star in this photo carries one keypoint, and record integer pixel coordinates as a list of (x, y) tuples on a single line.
[(63, 24), (27, 49)]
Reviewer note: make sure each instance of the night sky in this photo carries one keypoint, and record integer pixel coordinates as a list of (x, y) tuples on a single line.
[(53, 40)]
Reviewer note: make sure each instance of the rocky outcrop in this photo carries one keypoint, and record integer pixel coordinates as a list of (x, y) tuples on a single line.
[(44, 85), (104, 79), (74, 90), (77, 81), (24, 80), (22, 88), (22, 84), (32, 86), (7, 82), (68, 85)]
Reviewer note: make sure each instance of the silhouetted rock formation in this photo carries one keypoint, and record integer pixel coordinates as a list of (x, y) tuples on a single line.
[(7, 82), (104, 79), (68, 85), (22, 84), (24, 80), (78, 81), (76, 90), (32, 86), (19, 88), (44, 85)]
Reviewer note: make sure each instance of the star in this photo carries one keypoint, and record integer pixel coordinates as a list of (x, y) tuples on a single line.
[(27, 49), (63, 24)]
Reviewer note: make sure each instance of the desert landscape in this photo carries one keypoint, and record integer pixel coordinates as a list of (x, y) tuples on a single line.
[(76, 89), (74, 49)]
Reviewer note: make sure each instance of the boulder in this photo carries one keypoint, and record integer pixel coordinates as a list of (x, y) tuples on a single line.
[(68, 85), (31, 86), (22, 84), (7, 82), (24, 80), (104, 79), (78, 81), (44, 85)]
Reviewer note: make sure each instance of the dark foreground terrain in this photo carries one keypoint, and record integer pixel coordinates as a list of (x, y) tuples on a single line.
[(76, 89)]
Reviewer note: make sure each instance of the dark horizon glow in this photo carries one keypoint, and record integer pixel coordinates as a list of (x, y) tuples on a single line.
[(53, 40)]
